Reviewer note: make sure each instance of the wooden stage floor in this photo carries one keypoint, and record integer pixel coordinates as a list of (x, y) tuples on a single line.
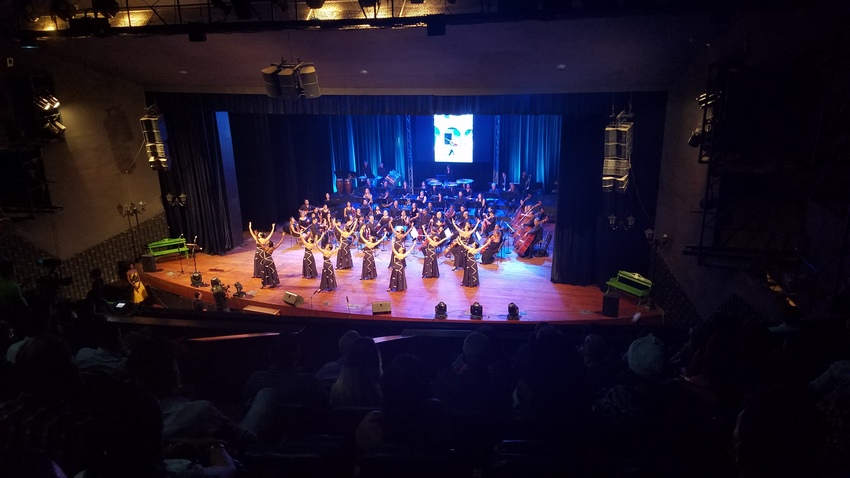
[(525, 282)]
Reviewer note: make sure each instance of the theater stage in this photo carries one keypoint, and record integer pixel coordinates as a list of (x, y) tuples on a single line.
[(525, 282)]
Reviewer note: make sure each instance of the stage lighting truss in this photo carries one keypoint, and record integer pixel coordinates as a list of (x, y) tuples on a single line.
[(291, 80)]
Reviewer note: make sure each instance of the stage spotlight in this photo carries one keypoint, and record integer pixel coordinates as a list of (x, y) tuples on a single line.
[(476, 311), (513, 311), (239, 291), (196, 279), (440, 311)]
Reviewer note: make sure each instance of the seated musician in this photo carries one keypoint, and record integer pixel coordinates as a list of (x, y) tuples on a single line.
[(489, 253), (504, 185), (468, 189), (386, 220), (303, 219), (422, 198), (489, 221), (424, 218), (414, 215), (367, 196), (463, 218), (430, 209), (395, 209), (348, 210), (306, 206), (536, 234), (460, 201), (480, 205), (450, 212), (403, 219), (365, 208), (512, 196), (382, 171), (438, 221), (373, 227), (494, 189), (385, 200)]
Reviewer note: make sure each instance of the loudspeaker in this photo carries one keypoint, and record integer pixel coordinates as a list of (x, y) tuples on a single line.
[(293, 299), (611, 305), (148, 263), (381, 307), (153, 129)]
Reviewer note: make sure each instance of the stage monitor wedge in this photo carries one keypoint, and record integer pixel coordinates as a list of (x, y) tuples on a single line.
[(293, 299), (381, 308)]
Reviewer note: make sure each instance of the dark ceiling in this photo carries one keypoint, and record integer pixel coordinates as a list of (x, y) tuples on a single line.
[(630, 53)]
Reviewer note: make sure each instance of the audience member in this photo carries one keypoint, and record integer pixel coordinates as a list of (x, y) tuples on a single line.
[(410, 417), (45, 415), (331, 370), (359, 383), (33, 323), (108, 358), (282, 375), (152, 365)]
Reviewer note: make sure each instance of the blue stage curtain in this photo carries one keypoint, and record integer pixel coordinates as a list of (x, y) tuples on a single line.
[(530, 143), (373, 138)]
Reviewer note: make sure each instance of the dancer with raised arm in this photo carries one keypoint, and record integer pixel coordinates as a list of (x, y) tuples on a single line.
[(398, 280), (470, 270), (343, 258), (268, 269), (328, 277), (431, 267), (308, 267), (464, 238), (260, 240), (398, 239), (370, 270)]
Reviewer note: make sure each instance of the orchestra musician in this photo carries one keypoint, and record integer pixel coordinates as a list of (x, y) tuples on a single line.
[(504, 181), (480, 205), (512, 196), (450, 213), (489, 221), (382, 171), (365, 208), (489, 253), (385, 199), (367, 196), (494, 189), (536, 234), (306, 206), (386, 221), (348, 210), (460, 201)]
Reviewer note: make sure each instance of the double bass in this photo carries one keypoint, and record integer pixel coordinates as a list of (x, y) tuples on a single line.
[(521, 246), (521, 217)]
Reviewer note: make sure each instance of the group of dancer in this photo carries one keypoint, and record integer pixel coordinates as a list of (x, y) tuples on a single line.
[(339, 238)]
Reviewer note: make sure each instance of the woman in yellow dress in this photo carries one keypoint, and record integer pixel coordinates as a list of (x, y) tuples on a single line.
[(140, 293)]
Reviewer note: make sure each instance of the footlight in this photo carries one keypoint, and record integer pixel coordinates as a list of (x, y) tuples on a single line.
[(239, 291), (513, 311), (440, 311), (476, 312)]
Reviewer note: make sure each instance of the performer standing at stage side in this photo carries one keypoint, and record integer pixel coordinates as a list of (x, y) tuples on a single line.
[(470, 270), (431, 267), (308, 267), (398, 280), (260, 240), (489, 253), (465, 235), (370, 270), (328, 276), (343, 258), (268, 271), (140, 293)]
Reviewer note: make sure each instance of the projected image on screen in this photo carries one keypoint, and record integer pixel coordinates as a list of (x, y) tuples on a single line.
[(453, 138)]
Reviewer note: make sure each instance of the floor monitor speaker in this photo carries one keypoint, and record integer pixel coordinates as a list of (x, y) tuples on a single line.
[(293, 299), (381, 307)]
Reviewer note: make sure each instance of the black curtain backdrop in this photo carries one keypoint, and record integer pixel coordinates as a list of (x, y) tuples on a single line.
[(283, 140), (196, 170)]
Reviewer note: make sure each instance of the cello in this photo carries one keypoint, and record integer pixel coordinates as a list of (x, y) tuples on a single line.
[(521, 246), (522, 216)]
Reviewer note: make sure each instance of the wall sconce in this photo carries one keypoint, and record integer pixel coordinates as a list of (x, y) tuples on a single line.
[(614, 224), (176, 201)]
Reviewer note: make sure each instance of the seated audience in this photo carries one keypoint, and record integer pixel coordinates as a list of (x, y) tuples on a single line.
[(359, 383)]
